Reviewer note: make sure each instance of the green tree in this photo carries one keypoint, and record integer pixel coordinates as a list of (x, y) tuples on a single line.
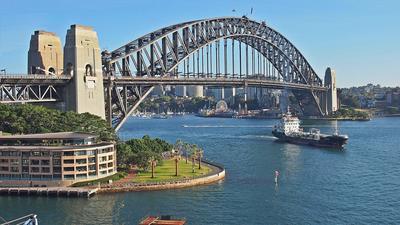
[(125, 155), (146, 148), (31, 119)]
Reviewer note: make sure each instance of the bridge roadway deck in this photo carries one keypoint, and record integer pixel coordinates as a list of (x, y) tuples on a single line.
[(26, 79), (205, 81), (219, 82)]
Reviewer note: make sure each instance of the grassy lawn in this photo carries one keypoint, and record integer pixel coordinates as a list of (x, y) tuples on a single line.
[(104, 180), (166, 172)]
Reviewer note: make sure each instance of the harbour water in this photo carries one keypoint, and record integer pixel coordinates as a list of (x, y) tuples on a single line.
[(360, 185)]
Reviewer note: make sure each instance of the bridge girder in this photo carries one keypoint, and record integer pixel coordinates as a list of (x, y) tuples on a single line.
[(31, 88)]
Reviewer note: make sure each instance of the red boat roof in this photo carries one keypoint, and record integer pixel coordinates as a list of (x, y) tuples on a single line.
[(154, 220)]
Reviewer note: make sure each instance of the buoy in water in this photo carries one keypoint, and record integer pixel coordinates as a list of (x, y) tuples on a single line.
[(276, 176)]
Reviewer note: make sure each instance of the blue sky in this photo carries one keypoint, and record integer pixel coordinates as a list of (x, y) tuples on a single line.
[(358, 38)]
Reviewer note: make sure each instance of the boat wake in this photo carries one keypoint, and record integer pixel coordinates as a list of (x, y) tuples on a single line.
[(225, 126), (258, 137)]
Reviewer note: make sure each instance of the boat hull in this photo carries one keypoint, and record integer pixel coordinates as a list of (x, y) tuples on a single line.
[(327, 141)]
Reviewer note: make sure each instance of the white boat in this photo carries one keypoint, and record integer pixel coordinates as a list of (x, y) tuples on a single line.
[(30, 219)]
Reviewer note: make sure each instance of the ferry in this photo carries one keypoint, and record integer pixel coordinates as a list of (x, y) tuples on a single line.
[(288, 130)]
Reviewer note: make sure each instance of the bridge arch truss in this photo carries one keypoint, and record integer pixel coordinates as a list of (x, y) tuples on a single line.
[(230, 48)]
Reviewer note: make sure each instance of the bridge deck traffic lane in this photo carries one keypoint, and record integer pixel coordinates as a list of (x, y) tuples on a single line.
[(234, 82), (34, 79)]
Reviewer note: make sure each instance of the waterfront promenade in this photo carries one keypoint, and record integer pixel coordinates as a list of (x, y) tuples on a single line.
[(50, 191), (217, 173)]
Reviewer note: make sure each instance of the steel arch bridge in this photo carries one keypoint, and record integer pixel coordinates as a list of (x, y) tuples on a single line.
[(228, 51)]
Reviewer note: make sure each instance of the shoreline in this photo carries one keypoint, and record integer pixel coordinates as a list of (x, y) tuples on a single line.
[(218, 173), (340, 119)]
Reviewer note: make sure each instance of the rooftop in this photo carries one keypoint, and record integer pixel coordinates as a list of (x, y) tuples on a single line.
[(49, 136)]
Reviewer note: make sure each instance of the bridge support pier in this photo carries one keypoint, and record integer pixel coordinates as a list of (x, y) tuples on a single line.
[(329, 100), (82, 61)]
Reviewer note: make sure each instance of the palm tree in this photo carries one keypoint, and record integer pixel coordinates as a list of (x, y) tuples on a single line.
[(199, 155), (193, 158), (181, 146), (177, 158), (153, 164), (177, 154), (191, 148)]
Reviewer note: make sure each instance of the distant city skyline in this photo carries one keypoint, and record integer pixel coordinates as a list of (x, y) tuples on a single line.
[(359, 41)]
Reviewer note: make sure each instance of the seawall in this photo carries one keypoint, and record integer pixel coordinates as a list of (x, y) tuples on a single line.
[(218, 173)]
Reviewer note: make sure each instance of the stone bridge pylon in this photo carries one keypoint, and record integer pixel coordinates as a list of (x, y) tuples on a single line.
[(80, 60)]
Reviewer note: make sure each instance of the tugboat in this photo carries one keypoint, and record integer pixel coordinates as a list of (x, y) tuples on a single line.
[(288, 130)]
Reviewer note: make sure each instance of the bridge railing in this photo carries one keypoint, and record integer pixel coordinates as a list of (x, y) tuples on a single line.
[(34, 76)]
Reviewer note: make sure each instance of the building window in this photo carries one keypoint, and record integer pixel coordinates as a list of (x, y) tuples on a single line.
[(14, 169), (68, 161), (14, 162), (92, 167), (45, 170), (81, 168), (25, 162), (103, 166), (68, 168), (25, 169), (56, 154), (88, 70), (81, 176), (92, 174), (35, 153), (34, 162), (34, 169), (92, 160), (104, 158), (46, 162), (110, 157), (56, 162), (69, 177), (81, 161), (110, 164), (69, 153), (4, 169), (56, 169), (91, 152), (4, 161), (14, 153), (77, 153)]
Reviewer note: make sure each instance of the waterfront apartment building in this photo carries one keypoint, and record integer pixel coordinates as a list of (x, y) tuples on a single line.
[(54, 159)]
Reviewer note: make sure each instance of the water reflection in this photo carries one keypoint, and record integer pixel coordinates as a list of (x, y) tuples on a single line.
[(291, 159)]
